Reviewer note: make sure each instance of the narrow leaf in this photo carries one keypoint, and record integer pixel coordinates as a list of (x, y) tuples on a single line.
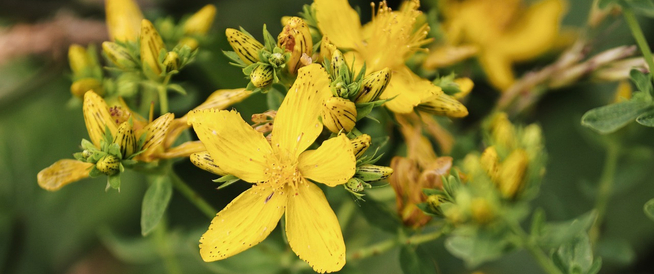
[(610, 118), (155, 202)]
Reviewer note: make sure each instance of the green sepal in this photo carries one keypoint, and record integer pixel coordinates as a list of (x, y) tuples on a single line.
[(113, 182), (177, 88), (269, 41), (114, 149), (86, 144), (226, 180), (234, 59), (95, 172), (447, 84), (363, 109)]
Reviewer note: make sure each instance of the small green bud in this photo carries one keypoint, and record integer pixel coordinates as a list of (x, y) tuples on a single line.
[(277, 59), (355, 185), (372, 173), (373, 86), (261, 76), (119, 56), (108, 165)]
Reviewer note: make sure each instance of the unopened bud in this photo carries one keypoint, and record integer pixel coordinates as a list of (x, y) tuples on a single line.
[(502, 130), (123, 20), (151, 47), (490, 163), (277, 59), (126, 140), (338, 114), (78, 58), (434, 203), (512, 173), (355, 185), (200, 22), (373, 85), (339, 68), (261, 76), (118, 55), (443, 104), (326, 48), (465, 87), (81, 86), (360, 144), (245, 46), (191, 42), (296, 39), (171, 62), (108, 165), (372, 173), (482, 212), (204, 161)]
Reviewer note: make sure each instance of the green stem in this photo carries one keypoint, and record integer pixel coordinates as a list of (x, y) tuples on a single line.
[(389, 244), (637, 32), (165, 249), (605, 188), (193, 197), (535, 251), (163, 95)]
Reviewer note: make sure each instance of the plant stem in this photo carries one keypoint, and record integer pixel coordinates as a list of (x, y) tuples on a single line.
[(165, 249), (387, 245), (163, 95), (535, 251), (637, 32), (605, 188), (193, 197)]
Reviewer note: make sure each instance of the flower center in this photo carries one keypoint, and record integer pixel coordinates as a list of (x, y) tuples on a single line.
[(283, 171)]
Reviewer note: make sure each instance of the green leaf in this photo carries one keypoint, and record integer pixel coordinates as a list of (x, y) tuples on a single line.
[(646, 119), (412, 263), (612, 117), (553, 235), (155, 201), (649, 209), (113, 182), (235, 60), (379, 215), (644, 7), (575, 256), (478, 245), (537, 222), (617, 251), (269, 41), (641, 80), (177, 88)]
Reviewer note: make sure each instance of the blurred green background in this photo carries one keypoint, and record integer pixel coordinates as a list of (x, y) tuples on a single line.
[(83, 229)]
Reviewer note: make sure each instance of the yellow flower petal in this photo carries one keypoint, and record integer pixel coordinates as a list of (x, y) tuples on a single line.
[(184, 150), (296, 125), (244, 222), (123, 20), (535, 33), (410, 90), (498, 69), (233, 144), (333, 163), (155, 133), (313, 231), (340, 22), (204, 161), (97, 117), (447, 55), (63, 172)]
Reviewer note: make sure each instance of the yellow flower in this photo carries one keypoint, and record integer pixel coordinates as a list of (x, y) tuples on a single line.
[(500, 33), (385, 42), (98, 117), (123, 20), (280, 171)]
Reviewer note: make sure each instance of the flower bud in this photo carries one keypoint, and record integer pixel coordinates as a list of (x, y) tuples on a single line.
[(151, 47), (78, 59), (360, 144), (81, 86), (372, 173), (373, 85), (339, 68), (126, 140), (261, 76), (171, 62), (482, 212), (490, 163), (465, 87), (204, 161), (200, 22), (434, 202), (355, 185), (326, 48), (108, 165), (338, 114), (118, 55), (123, 20), (276, 59), (246, 47), (512, 173), (502, 130), (191, 42), (443, 104), (296, 39)]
